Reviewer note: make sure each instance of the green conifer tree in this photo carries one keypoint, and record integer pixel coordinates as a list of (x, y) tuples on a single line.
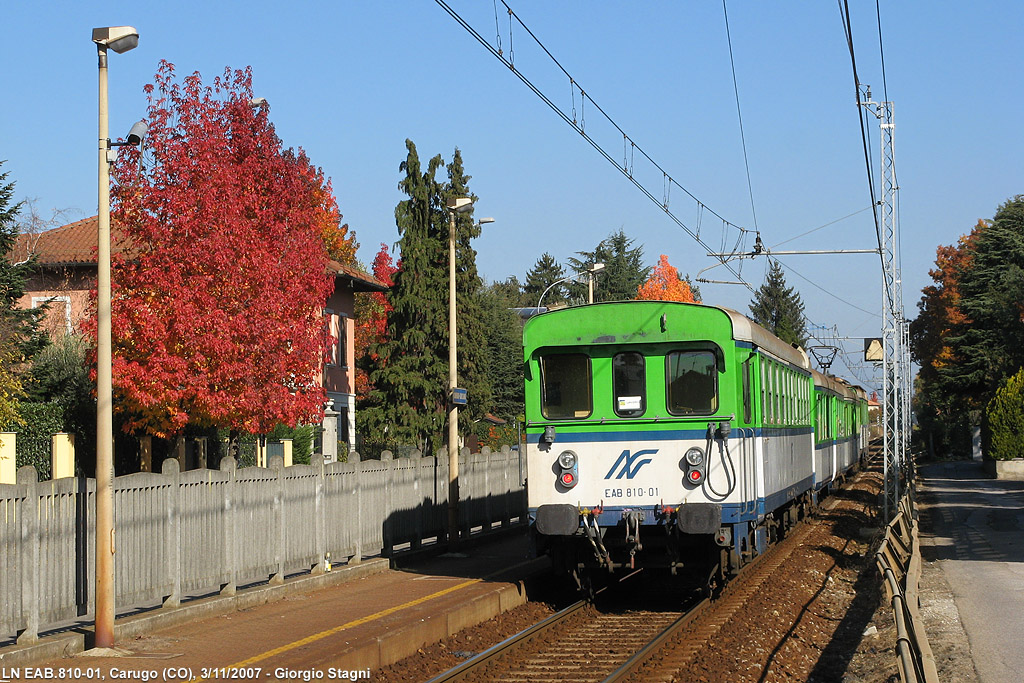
[(778, 308), (474, 351), (989, 343), (544, 273), (623, 274), (505, 344), (411, 380), (20, 334)]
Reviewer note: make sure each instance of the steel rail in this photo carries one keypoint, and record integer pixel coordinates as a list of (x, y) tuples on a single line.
[(461, 671)]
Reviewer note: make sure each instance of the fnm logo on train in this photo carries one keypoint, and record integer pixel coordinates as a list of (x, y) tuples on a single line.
[(629, 463)]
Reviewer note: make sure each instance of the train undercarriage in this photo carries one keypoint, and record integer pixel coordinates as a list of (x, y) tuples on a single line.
[(705, 552)]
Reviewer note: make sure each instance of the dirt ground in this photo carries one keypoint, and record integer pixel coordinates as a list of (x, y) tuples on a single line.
[(820, 618)]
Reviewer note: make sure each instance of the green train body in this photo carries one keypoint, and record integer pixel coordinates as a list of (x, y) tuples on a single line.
[(663, 434)]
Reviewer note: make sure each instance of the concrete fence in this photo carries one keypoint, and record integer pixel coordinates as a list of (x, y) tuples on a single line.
[(206, 531)]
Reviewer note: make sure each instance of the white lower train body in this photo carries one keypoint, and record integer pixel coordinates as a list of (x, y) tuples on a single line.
[(633, 504)]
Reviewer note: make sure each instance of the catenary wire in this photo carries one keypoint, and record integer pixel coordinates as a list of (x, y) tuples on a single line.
[(739, 113), (623, 168)]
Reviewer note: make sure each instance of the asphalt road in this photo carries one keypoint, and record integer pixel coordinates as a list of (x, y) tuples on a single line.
[(977, 539)]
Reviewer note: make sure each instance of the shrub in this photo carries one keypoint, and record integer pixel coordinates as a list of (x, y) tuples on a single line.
[(1005, 414), (41, 422)]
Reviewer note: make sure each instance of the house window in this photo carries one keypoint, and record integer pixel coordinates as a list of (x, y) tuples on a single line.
[(57, 304), (335, 340)]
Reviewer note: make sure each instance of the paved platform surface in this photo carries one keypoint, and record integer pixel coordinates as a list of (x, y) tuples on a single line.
[(972, 547), (329, 633)]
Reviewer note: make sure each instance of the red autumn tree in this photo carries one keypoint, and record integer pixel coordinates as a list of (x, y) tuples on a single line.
[(221, 280), (372, 321), (664, 284)]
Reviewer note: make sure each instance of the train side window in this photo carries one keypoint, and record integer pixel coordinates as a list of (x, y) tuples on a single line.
[(692, 382), (565, 382), (629, 384)]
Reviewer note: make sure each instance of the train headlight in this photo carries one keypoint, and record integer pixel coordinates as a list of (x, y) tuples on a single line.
[(567, 466), (695, 466), (567, 460)]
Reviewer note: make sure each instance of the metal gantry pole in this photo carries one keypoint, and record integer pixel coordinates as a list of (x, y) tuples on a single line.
[(894, 411)]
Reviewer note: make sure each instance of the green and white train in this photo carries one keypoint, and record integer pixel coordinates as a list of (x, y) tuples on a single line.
[(676, 436)]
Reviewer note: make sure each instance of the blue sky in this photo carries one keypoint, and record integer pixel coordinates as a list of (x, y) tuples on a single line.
[(350, 81)]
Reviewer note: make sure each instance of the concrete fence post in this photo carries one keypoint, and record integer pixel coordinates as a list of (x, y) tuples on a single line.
[(316, 461), (277, 465), (62, 455), (171, 470), (465, 509), (357, 495), (387, 459), (506, 488), (8, 469), (485, 454), (30, 555), (230, 585), (417, 500)]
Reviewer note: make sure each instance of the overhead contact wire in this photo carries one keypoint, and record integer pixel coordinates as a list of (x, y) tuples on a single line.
[(579, 128)]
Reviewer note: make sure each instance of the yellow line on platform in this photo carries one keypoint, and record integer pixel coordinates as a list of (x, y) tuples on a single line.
[(331, 631)]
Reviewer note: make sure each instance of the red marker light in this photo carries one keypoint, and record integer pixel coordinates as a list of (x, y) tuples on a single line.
[(695, 476), (568, 479)]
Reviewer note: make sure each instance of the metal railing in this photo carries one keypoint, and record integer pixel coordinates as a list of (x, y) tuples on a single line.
[(899, 562), (206, 531)]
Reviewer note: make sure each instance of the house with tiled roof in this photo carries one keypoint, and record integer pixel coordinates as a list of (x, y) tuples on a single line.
[(66, 278)]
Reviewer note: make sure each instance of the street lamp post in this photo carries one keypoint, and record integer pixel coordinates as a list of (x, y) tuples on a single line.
[(119, 39), (455, 205), (594, 269)]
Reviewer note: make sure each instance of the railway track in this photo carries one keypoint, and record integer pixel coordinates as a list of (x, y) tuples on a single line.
[(584, 643)]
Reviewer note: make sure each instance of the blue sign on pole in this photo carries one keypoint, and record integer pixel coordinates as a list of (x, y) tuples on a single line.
[(458, 396)]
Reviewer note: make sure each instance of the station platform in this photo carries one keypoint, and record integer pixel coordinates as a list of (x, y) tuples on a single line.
[(972, 582), (354, 619)]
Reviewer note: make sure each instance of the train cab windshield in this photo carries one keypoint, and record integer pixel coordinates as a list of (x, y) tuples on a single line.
[(566, 382), (692, 382)]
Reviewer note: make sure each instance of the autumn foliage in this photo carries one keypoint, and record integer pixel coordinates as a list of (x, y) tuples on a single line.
[(221, 278), (372, 320), (664, 284)]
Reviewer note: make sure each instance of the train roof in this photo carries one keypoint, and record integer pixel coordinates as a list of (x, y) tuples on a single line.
[(743, 329)]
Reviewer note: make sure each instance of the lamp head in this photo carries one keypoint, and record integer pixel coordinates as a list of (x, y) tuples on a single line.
[(459, 204), (117, 38), (597, 268), (138, 131)]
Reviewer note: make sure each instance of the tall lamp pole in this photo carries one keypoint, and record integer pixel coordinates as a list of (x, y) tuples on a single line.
[(593, 270), (119, 39), (455, 205)]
